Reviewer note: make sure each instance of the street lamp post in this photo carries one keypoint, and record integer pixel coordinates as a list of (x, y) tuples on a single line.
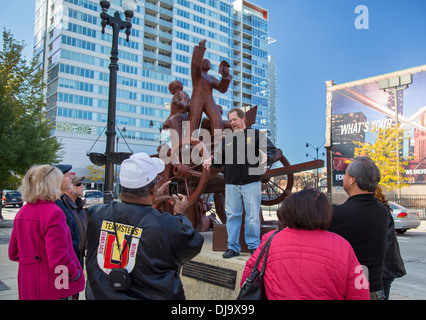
[(394, 85), (117, 188), (160, 128), (315, 158), (117, 24)]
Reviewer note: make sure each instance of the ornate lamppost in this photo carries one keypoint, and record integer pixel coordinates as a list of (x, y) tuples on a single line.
[(117, 24), (315, 158), (160, 128)]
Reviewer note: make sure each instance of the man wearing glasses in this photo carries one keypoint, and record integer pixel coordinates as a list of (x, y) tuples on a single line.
[(134, 251), (75, 205), (67, 185)]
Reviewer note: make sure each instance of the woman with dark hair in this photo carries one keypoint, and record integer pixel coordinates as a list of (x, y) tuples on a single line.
[(306, 262)]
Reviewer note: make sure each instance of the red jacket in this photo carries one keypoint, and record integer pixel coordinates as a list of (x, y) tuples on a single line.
[(41, 243), (310, 265)]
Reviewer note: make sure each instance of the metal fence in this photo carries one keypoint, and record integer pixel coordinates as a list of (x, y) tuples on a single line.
[(415, 201)]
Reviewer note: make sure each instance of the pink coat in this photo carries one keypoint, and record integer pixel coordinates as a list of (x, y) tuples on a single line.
[(310, 265), (41, 243)]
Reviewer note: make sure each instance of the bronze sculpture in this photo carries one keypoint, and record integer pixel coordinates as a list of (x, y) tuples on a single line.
[(203, 85), (195, 181)]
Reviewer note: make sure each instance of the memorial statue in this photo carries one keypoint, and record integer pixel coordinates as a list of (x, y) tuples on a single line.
[(203, 85), (194, 180), (179, 108)]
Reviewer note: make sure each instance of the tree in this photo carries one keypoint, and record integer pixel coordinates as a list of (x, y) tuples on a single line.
[(384, 153), (25, 130), (96, 173)]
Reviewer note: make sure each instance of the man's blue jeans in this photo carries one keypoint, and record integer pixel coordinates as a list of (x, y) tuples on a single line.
[(238, 198)]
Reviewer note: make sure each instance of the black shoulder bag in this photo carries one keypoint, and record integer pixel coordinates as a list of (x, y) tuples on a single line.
[(254, 288)]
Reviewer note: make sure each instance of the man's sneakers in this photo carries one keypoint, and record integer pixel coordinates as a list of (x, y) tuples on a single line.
[(230, 254)]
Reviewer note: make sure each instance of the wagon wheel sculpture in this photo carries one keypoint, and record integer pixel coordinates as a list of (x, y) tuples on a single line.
[(185, 168), (276, 187)]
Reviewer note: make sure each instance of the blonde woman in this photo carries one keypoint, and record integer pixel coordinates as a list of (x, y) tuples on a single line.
[(41, 240)]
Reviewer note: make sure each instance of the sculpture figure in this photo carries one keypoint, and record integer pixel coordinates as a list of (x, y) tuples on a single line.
[(179, 108), (203, 85)]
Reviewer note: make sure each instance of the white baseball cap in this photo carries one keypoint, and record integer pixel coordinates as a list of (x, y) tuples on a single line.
[(139, 170)]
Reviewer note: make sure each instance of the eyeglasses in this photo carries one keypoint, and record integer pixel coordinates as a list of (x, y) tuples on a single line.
[(78, 184), (53, 168)]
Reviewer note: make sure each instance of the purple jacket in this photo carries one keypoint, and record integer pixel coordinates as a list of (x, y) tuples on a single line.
[(41, 243)]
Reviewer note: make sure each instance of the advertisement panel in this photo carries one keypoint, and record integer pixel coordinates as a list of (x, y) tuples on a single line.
[(355, 108)]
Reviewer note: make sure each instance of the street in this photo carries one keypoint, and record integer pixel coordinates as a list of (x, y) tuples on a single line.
[(410, 287), (413, 250)]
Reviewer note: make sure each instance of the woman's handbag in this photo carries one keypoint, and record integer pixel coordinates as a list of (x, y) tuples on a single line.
[(254, 288)]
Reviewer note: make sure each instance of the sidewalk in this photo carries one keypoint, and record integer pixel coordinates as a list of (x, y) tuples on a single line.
[(8, 269)]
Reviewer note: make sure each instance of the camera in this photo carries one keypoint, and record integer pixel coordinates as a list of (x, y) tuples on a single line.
[(119, 279), (173, 188)]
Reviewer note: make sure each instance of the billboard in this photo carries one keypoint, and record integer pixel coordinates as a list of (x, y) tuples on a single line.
[(355, 108)]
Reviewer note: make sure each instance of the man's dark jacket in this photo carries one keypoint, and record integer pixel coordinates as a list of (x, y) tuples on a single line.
[(363, 221), (75, 236), (394, 265), (239, 153), (165, 243), (79, 215)]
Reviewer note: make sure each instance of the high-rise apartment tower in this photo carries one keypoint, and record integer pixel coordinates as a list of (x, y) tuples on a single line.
[(75, 56)]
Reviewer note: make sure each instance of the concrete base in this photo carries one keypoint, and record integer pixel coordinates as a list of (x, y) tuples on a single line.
[(220, 236), (201, 290)]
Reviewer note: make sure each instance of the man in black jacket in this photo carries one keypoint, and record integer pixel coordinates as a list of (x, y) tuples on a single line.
[(363, 220), (67, 185), (244, 153), (75, 205), (144, 245)]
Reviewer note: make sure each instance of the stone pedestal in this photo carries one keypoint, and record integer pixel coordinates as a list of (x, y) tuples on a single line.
[(220, 236), (211, 277)]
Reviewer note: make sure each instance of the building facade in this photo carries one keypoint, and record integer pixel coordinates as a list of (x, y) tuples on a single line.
[(273, 100), (75, 56)]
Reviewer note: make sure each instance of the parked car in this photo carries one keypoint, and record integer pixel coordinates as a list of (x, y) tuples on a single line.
[(404, 218), (93, 197), (12, 198)]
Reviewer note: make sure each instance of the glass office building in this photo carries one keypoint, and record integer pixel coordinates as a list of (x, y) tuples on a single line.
[(75, 56)]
